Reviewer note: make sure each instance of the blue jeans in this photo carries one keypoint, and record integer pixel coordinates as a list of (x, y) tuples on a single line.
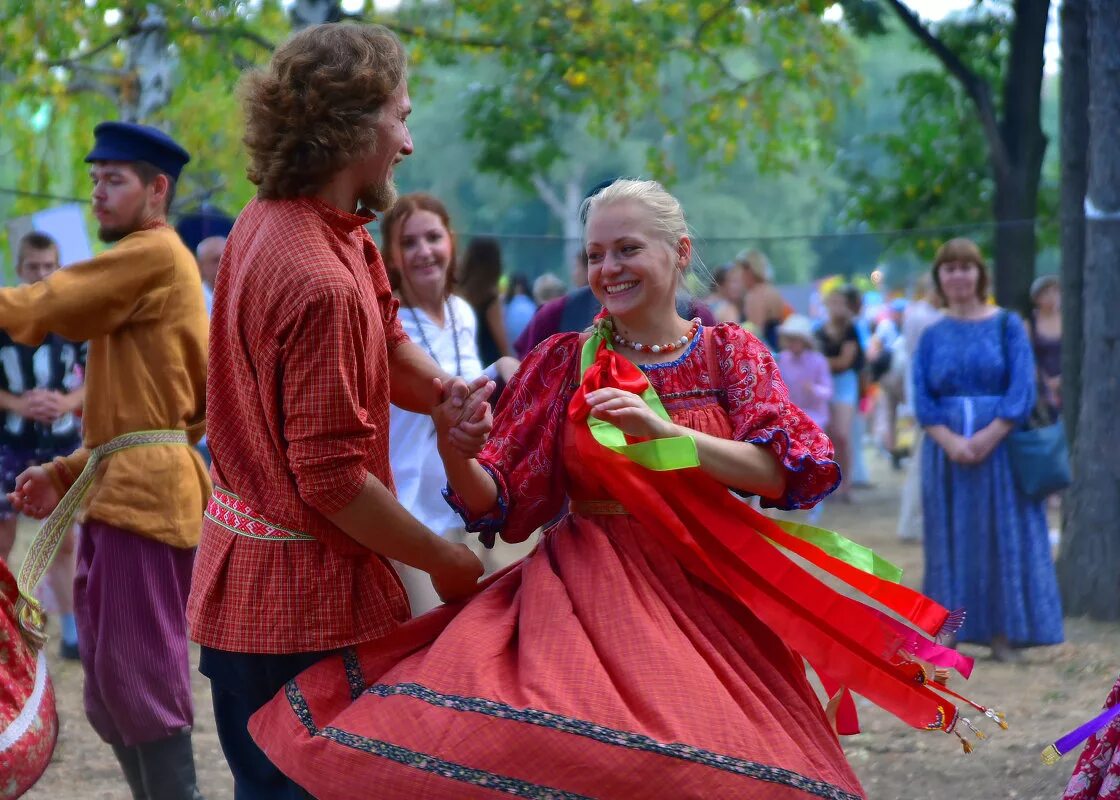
[(240, 684)]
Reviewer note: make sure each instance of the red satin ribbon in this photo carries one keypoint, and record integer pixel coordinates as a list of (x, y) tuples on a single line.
[(718, 538)]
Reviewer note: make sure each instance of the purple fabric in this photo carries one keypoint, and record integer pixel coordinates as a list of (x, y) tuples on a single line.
[(544, 323), (130, 596), (809, 382), (1080, 734)]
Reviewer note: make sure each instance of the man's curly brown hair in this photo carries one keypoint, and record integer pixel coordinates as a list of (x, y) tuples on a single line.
[(313, 108)]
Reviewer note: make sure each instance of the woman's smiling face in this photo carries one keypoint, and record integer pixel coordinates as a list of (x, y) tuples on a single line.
[(425, 252), (629, 268)]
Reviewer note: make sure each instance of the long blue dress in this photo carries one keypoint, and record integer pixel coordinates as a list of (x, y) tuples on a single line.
[(986, 544)]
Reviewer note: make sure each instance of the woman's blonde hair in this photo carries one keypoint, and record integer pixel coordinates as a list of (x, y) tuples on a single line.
[(666, 216)]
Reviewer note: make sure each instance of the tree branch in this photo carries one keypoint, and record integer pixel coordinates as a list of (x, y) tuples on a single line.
[(131, 30), (548, 195), (975, 87), (231, 32), (92, 69), (474, 42), (88, 84), (711, 18)]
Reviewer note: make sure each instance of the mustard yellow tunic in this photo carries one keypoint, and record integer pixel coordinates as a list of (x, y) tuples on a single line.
[(140, 307)]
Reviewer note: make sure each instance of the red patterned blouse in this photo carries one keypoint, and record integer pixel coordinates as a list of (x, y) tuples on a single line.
[(298, 413), (524, 454)]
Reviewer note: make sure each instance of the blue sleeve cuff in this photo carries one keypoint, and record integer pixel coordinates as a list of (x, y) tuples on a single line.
[(487, 525), (808, 479)]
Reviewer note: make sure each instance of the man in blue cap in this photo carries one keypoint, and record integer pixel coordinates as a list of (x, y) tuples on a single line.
[(140, 306)]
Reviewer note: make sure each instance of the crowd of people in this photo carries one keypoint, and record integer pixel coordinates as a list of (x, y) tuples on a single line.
[(376, 416)]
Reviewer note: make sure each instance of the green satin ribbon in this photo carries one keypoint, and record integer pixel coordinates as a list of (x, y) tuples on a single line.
[(663, 455), (843, 548), (679, 452)]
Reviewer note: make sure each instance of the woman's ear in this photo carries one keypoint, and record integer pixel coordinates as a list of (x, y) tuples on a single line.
[(684, 252)]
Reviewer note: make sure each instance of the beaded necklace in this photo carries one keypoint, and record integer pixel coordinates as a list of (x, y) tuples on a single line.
[(658, 348)]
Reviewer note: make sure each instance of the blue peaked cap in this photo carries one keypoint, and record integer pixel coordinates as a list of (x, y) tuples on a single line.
[(128, 141)]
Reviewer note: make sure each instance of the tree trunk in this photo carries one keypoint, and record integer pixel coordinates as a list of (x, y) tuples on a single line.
[(151, 60), (1018, 165), (1089, 570), (1075, 175), (1016, 201)]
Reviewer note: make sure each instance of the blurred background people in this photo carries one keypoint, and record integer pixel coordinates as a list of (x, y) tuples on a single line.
[(727, 295), (547, 288), (921, 312), (519, 306), (1045, 327), (209, 256), (478, 283), (764, 308), (806, 374), (839, 343), (41, 395)]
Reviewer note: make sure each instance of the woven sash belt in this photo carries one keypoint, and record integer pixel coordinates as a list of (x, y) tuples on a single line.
[(44, 547), (235, 515), (596, 508)]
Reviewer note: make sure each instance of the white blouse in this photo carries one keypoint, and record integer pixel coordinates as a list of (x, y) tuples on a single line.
[(417, 469)]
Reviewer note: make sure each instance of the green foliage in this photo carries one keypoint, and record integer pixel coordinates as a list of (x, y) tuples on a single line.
[(722, 77), (65, 66), (931, 170)]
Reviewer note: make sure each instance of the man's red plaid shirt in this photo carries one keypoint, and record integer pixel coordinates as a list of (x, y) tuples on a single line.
[(297, 414)]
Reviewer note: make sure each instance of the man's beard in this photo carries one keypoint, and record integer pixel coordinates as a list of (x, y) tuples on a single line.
[(110, 235), (379, 197)]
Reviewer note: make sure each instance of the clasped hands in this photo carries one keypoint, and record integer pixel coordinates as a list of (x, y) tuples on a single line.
[(43, 405), (974, 450), (462, 413)]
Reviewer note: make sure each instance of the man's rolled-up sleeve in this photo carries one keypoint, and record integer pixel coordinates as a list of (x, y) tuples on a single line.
[(327, 430)]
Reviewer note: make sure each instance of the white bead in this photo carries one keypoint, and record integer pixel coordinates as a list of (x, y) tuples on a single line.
[(637, 345), (655, 349), (684, 340)]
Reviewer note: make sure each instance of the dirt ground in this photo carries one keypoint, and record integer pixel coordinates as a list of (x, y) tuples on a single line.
[(1053, 690)]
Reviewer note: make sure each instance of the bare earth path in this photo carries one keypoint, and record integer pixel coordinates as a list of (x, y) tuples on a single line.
[(1053, 690)]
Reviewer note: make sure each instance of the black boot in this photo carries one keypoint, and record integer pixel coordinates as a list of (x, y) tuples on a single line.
[(129, 758), (168, 768)]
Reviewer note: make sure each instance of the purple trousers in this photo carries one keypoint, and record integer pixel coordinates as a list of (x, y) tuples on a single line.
[(130, 599)]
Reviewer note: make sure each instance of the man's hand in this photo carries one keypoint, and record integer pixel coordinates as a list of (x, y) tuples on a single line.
[(459, 578), (463, 417), (35, 494)]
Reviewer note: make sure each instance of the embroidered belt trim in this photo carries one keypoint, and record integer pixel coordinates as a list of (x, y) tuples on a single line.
[(236, 516), (597, 508)]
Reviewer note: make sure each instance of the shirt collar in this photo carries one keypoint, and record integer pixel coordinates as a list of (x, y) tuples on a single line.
[(338, 219)]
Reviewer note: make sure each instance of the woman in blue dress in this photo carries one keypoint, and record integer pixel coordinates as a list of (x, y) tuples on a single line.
[(986, 545)]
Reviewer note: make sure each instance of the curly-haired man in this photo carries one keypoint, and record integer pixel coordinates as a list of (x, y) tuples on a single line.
[(305, 355)]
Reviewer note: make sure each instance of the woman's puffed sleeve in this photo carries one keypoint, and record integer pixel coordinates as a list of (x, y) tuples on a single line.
[(523, 454), (762, 413)]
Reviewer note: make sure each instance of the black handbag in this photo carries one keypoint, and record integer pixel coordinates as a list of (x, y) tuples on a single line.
[(1039, 453)]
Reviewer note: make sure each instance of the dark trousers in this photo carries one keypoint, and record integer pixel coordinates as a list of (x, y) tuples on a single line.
[(240, 684)]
